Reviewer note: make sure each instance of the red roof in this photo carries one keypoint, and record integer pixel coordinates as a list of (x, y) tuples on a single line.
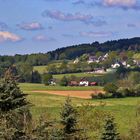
[(93, 83)]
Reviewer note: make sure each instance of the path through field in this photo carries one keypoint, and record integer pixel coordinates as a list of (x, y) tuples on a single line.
[(78, 94)]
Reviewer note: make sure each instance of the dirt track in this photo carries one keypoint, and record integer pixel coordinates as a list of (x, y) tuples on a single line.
[(78, 94)]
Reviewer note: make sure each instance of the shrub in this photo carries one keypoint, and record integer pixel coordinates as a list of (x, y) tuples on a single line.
[(46, 78), (110, 88), (64, 81)]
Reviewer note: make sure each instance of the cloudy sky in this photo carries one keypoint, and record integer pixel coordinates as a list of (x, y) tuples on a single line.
[(30, 26)]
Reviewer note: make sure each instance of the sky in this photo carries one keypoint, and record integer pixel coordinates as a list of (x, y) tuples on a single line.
[(33, 26)]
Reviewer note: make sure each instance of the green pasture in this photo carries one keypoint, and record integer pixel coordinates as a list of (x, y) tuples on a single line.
[(124, 110), (40, 69), (31, 87), (83, 74)]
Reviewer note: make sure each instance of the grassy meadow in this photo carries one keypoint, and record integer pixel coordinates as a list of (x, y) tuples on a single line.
[(123, 109), (42, 69), (33, 87)]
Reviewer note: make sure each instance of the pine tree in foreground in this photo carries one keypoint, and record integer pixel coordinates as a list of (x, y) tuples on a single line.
[(69, 122), (110, 130), (12, 103), (11, 97)]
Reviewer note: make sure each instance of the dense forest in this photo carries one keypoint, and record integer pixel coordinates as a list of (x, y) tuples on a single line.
[(71, 52)]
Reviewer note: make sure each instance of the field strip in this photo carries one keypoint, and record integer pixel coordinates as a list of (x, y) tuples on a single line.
[(78, 94)]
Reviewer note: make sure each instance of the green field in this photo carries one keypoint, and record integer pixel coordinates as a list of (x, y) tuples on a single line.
[(31, 87), (123, 109), (40, 69), (59, 76)]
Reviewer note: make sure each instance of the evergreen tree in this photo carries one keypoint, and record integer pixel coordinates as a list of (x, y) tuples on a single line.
[(11, 97), (64, 81), (12, 113), (110, 130), (69, 123), (47, 78), (68, 117)]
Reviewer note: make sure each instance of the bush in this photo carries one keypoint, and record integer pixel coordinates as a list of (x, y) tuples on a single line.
[(98, 96), (110, 88), (64, 81), (46, 78)]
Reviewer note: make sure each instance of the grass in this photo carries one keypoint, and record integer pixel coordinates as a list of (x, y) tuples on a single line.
[(31, 87), (124, 110), (82, 74), (40, 69)]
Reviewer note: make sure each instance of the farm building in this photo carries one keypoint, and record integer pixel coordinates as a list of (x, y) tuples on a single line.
[(84, 82), (93, 84)]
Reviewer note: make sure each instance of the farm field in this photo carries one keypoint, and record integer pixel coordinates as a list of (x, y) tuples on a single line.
[(42, 69), (123, 109), (59, 76), (42, 87)]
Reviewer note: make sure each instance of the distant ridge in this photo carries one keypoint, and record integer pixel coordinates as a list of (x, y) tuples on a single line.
[(74, 51)]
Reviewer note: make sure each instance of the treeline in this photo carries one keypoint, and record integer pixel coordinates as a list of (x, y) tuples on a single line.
[(71, 52), (128, 85)]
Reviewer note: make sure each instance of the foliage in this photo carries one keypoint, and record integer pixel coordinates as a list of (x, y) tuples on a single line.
[(64, 81), (11, 97), (68, 117), (110, 130), (73, 52), (46, 78), (36, 77), (69, 121), (13, 111), (110, 88)]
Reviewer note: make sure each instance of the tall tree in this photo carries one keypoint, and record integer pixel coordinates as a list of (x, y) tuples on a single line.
[(69, 123), (110, 130), (12, 102)]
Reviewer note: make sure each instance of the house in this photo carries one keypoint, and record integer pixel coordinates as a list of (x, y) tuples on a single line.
[(93, 59), (73, 83), (52, 82), (84, 82), (116, 65), (137, 62), (97, 59), (99, 70), (93, 84), (106, 55), (76, 61)]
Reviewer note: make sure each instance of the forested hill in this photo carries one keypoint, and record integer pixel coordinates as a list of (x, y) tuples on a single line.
[(72, 52)]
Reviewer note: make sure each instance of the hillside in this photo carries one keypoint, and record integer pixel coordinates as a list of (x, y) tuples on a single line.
[(71, 52)]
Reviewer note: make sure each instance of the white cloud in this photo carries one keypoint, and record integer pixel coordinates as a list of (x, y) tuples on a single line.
[(31, 26), (120, 3), (8, 36), (85, 18), (95, 34), (43, 38)]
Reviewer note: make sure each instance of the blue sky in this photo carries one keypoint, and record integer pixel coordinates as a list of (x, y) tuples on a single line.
[(32, 26)]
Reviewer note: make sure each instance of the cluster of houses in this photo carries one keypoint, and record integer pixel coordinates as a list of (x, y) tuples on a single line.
[(93, 58), (117, 64), (83, 82), (97, 59)]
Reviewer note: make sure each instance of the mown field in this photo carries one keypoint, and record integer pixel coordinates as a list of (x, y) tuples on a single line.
[(42, 69), (124, 109), (32, 87)]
